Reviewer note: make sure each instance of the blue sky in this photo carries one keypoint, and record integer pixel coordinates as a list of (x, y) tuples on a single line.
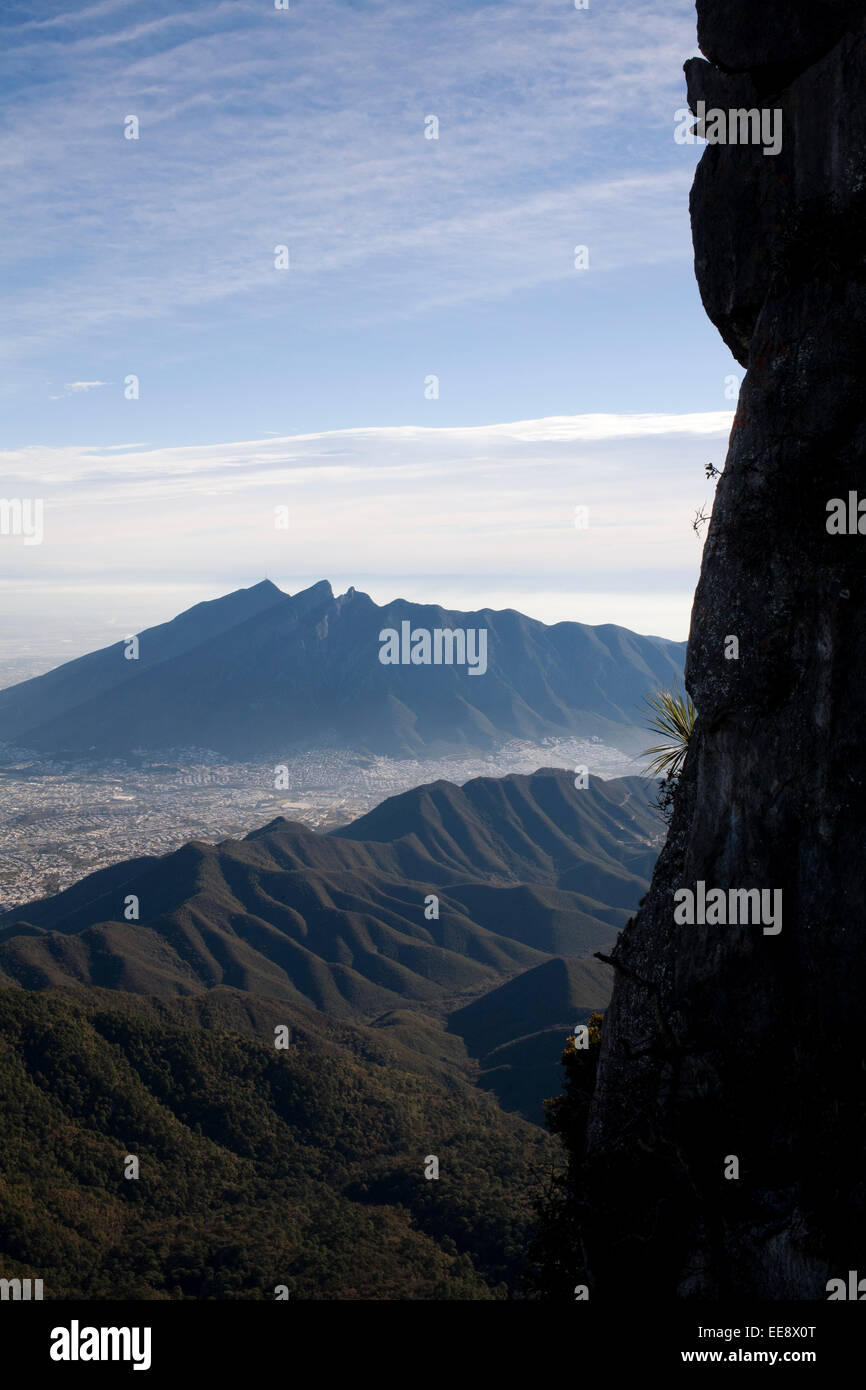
[(408, 257)]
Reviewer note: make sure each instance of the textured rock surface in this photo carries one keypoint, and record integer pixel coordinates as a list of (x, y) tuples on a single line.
[(762, 35), (721, 1040)]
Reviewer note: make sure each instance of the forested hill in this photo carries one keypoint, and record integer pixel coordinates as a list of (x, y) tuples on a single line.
[(258, 1168)]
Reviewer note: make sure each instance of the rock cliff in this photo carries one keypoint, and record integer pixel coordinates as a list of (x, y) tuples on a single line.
[(726, 1041)]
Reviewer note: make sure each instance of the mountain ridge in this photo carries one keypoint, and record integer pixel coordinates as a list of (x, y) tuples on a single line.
[(260, 672), (339, 919)]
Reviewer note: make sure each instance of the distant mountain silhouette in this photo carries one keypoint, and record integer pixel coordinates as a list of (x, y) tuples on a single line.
[(260, 673), (524, 868)]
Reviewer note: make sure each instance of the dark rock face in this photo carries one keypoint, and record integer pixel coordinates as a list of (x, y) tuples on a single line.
[(766, 224), (771, 35), (723, 1040)]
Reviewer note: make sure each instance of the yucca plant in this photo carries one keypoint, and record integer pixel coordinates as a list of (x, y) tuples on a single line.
[(673, 717)]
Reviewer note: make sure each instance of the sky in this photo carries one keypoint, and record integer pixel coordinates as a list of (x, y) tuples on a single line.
[(284, 293)]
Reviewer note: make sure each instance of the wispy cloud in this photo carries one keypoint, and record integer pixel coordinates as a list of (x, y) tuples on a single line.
[(66, 18), (306, 128), (413, 507), (75, 388)]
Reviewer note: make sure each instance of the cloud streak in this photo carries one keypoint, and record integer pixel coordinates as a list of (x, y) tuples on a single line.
[(77, 388), (306, 128), (407, 508)]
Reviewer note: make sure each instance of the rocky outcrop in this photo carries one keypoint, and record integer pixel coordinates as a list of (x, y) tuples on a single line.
[(726, 1041), (775, 35)]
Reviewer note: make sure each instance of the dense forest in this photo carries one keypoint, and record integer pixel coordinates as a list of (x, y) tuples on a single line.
[(258, 1167)]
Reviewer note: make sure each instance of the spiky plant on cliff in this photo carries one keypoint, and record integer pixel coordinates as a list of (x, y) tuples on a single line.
[(673, 719)]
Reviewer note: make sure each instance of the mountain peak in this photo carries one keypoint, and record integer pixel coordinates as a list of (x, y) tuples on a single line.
[(316, 593), (261, 670)]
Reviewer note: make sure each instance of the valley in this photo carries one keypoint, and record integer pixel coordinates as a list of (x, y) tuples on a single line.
[(211, 845), (531, 877), (305, 1167)]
